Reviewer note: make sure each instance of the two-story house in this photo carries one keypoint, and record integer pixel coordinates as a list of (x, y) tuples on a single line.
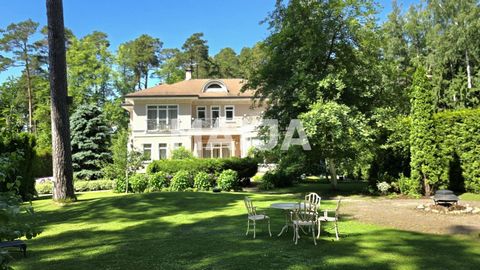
[(210, 117)]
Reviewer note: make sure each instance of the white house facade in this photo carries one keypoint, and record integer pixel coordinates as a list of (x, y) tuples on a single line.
[(210, 117)]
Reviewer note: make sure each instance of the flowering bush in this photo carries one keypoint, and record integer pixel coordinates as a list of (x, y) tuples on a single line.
[(383, 187)]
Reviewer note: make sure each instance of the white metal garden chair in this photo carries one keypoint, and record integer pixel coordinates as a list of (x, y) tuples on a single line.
[(313, 199), (327, 218), (254, 217), (304, 215)]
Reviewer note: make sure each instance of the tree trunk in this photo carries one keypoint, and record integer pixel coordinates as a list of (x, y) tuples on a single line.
[(30, 128), (426, 186), (61, 149), (333, 173), (146, 80), (469, 75)]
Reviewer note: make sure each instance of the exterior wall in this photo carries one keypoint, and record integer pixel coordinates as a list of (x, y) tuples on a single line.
[(139, 141), (139, 120), (241, 131)]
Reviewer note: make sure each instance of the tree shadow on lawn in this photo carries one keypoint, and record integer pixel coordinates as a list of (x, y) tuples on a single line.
[(207, 231)]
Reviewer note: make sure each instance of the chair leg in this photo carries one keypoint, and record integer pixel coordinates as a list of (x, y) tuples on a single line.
[(297, 235), (269, 232), (313, 234), (336, 230), (319, 227), (254, 229), (294, 235), (248, 226)]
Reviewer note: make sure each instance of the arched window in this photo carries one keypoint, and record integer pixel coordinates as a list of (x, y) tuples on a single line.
[(215, 86)]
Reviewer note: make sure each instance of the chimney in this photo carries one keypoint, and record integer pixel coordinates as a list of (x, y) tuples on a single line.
[(188, 73)]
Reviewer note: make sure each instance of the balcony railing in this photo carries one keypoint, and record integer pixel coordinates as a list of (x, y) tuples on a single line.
[(162, 125), (206, 122)]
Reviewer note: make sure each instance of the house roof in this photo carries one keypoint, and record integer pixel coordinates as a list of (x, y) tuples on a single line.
[(195, 88)]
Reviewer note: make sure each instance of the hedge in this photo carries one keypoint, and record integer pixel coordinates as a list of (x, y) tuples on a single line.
[(42, 163), (456, 155), (458, 141), (79, 186), (16, 155), (245, 167)]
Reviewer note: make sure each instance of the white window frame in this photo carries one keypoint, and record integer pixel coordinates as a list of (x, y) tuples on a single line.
[(143, 150), (212, 121), (177, 145), (211, 147), (163, 148), (158, 118), (204, 109), (233, 113)]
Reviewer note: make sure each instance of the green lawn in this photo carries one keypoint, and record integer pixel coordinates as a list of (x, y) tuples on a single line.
[(200, 230)]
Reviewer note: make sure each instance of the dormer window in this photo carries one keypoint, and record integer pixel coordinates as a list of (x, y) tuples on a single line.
[(215, 86)]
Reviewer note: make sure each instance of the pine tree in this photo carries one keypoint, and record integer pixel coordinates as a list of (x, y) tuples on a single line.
[(90, 142)]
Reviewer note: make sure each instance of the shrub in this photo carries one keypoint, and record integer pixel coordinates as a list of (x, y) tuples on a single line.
[(16, 159), (408, 185), (119, 185), (202, 181), (94, 185), (181, 181), (245, 167), (44, 188), (42, 163), (277, 178), (257, 178), (228, 180), (17, 219), (181, 153), (383, 187), (158, 181), (267, 182), (139, 182)]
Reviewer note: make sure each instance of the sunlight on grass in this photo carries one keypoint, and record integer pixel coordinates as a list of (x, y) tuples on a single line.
[(202, 230)]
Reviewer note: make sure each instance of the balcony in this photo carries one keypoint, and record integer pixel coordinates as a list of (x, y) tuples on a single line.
[(222, 122), (156, 125)]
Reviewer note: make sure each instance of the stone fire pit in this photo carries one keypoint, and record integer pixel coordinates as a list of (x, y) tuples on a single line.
[(449, 209)]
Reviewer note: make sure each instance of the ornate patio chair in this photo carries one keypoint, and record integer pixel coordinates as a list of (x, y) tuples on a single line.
[(304, 215), (313, 199), (254, 217), (327, 218)]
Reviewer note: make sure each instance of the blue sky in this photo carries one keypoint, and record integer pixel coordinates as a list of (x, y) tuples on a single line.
[(225, 23)]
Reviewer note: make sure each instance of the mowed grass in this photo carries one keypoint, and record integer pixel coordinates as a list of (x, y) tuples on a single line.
[(204, 230)]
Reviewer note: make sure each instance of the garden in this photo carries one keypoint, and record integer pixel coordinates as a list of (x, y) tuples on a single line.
[(386, 133)]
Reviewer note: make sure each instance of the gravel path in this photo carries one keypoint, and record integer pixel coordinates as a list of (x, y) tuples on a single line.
[(401, 214)]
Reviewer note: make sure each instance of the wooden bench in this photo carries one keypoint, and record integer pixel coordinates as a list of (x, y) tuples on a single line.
[(15, 244)]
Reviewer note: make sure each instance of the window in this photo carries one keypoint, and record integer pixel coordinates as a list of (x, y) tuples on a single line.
[(162, 117), (147, 151), (215, 86), (177, 145), (215, 113), (201, 112), (229, 112), (162, 151), (216, 150)]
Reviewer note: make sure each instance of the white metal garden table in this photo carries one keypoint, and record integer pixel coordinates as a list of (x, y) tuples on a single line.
[(286, 207)]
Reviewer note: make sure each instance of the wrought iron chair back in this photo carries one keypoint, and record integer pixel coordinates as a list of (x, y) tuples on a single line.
[(313, 198)]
